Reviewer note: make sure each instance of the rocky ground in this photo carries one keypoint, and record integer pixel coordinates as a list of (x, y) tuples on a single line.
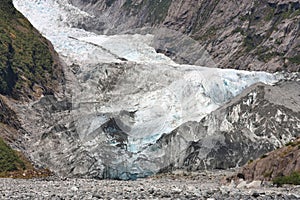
[(200, 185)]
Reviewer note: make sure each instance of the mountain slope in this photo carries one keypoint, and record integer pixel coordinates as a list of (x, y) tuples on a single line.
[(281, 162), (29, 67), (247, 34), (9, 161)]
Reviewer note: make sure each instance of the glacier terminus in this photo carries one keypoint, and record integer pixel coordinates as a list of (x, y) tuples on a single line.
[(127, 111)]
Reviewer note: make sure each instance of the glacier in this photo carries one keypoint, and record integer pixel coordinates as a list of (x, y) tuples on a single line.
[(122, 86)]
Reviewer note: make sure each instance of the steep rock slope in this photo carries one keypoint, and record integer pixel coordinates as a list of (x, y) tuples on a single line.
[(247, 34), (29, 69), (281, 162), (10, 126)]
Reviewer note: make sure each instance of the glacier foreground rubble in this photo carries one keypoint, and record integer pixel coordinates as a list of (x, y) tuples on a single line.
[(129, 111)]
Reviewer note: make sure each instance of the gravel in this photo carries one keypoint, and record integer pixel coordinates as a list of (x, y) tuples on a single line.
[(200, 185)]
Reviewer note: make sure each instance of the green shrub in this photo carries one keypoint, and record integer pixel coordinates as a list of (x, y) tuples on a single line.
[(295, 59), (109, 2), (269, 14), (289, 144), (252, 41), (9, 161), (238, 30), (293, 179)]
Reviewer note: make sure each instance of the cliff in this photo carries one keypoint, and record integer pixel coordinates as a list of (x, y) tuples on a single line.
[(279, 163), (247, 34)]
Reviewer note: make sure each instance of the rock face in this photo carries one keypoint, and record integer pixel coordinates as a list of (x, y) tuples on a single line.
[(281, 162), (29, 69), (10, 127), (248, 34)]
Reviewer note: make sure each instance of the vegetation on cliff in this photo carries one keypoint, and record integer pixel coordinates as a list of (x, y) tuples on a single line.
[(29, 67), (27, 60), (9, 160), (293, 178), (14, 164)]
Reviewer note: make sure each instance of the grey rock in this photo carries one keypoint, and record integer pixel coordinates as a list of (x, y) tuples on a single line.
[(251, 35)]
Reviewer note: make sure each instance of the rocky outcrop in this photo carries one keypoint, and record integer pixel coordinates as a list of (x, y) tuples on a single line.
[(14, 162), (281, 162), (7, 115), (248, 34), (10, 127)]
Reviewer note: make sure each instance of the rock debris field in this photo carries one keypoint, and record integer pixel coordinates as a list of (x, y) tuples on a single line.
[(200, 185)]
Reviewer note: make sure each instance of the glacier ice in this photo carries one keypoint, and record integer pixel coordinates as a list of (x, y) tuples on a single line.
[(122, 77)]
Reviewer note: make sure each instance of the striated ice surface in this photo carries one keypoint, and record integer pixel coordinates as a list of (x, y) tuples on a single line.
[(120, 73), (54, 20)]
